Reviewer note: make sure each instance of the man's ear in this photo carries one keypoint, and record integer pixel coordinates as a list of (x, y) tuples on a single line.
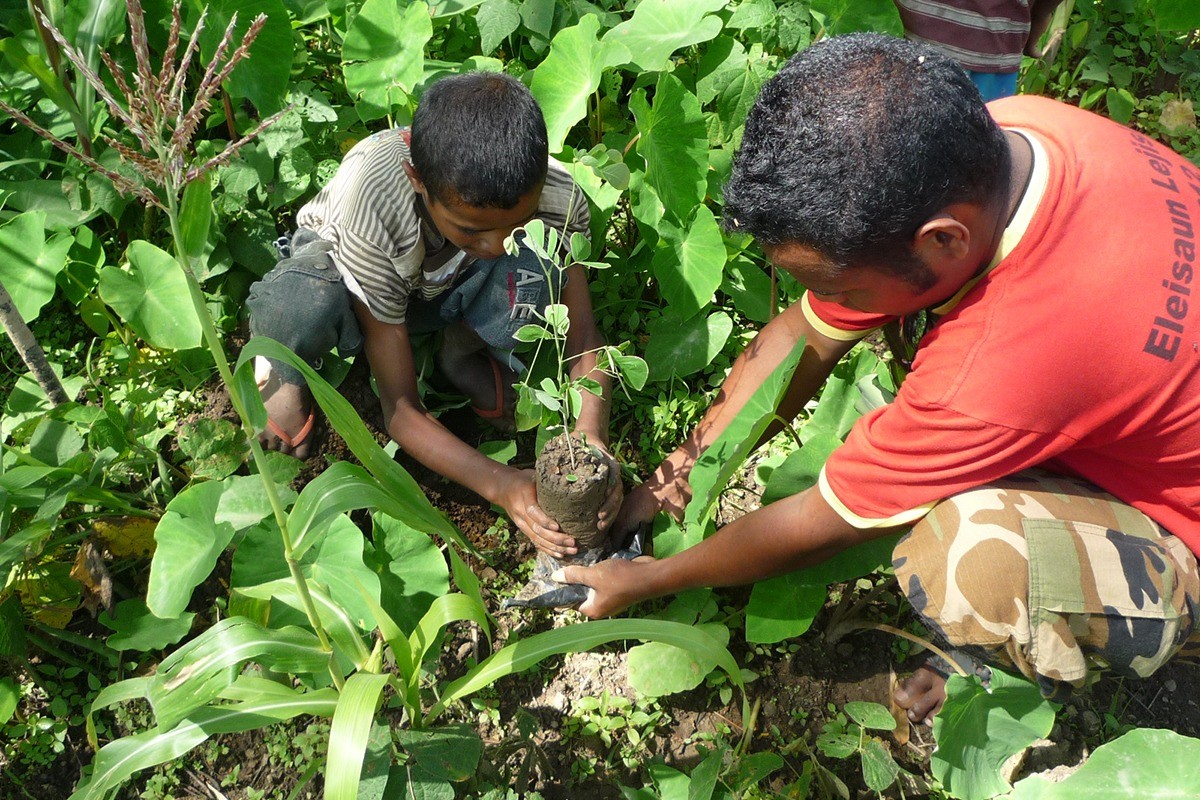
[(413, 177), (942, 238)]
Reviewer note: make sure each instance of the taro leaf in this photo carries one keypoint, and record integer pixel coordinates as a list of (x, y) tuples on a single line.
[(262, 78), (10, 697), (153, 297), (448, 8), (336, 562), (569, 76), (716, 465), (688, 264), (674, 142), (878, 767), (216, 447), (54, 442), (538, 16), (723, 58), (977, 730), (383, 55), (29, 263), (450, 752), (785, 606), (198, 525), (846, 16), (497, 20), (677, 348), (1176, 15), (411, 568), (198, 672), (657, 669), (749, 287), (1145, 763), (137, 629), (837, 410), (801, 469), (660, 27), (119, 759), (871, 716), (126, 537)]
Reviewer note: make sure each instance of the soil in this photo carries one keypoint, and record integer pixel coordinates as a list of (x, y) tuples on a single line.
[(572, 482), (530, 722)]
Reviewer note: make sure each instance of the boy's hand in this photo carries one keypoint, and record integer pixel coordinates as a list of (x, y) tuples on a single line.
[(614, 584), (519, 500)]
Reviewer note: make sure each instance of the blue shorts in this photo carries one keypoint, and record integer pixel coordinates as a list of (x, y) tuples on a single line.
[(994, 85)]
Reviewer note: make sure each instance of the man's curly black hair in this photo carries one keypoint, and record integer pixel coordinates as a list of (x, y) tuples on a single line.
[(857, 142), (479, 139)]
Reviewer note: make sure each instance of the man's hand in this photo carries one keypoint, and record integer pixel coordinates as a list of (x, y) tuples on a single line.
[(519, 501), (615, 584)]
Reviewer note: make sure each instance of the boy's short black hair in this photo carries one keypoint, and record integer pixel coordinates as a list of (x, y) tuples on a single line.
[(857, 142), (479, 139)]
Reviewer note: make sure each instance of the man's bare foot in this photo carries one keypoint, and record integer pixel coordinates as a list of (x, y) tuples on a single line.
[(290, 417), (922, 694)]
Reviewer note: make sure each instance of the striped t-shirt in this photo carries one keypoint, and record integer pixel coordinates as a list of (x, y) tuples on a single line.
[(384, 249), (982, 35)]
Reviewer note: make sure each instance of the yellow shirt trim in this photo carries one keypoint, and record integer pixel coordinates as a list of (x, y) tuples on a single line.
[(896, 520), (824, 328)]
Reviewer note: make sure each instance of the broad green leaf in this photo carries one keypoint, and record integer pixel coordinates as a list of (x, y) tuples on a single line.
[(411, 570), (189, 538), (343, 631), (29, 263), (838, 406), (262, 78), (657, 669), (383, 56), (340, 488), (216, 447), (444, 610), (801, 469), (348, 733), (569, 76), (688, 263), (674, 142), (118, 760), (538, 16), (418, 511), (35, 65), (497, 20), (716, 465), (660, 27), (137, 629), (878, 766), (1120, 104), (449, 752), (749, 286), (153, 297), (195, 217), (198, 672), (524, 654), (10, 697), (54, 442), (678, 348), (1145, 763), (979, 729), (1176, 15), (872, 716), (847, 16)]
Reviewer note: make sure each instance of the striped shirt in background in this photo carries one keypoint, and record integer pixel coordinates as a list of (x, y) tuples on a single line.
[(981, 35), (383, 248)]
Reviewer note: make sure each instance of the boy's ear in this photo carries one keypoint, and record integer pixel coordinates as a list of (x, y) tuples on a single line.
[(942, 237), (413, 177)]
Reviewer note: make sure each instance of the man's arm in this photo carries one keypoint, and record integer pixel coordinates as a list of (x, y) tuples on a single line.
[(667, 489), (797, 532), (427, 440)]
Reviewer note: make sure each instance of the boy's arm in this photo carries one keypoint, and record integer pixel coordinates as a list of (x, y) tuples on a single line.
[(1040, 12), (797, 532), (667, 489), (582, 341), (427, 440)]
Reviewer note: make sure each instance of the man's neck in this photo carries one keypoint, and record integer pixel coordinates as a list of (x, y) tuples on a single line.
[(1020, 168)]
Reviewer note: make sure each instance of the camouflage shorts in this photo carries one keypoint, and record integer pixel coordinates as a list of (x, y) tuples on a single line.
[(1049, 575)]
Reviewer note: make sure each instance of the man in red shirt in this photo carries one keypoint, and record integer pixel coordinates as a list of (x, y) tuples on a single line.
[(1046, 445)]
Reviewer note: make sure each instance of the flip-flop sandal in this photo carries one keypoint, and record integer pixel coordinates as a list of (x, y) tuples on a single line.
[(293, 440), (498, 411)]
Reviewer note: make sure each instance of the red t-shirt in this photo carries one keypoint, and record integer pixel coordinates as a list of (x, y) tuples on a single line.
[(1079, 349)]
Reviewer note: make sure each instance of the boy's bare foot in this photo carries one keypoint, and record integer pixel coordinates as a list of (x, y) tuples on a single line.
[(290, 417), (922, 694)]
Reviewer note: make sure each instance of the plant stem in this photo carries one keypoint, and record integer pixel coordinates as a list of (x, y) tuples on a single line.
[(217, 348), (30, 351)]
